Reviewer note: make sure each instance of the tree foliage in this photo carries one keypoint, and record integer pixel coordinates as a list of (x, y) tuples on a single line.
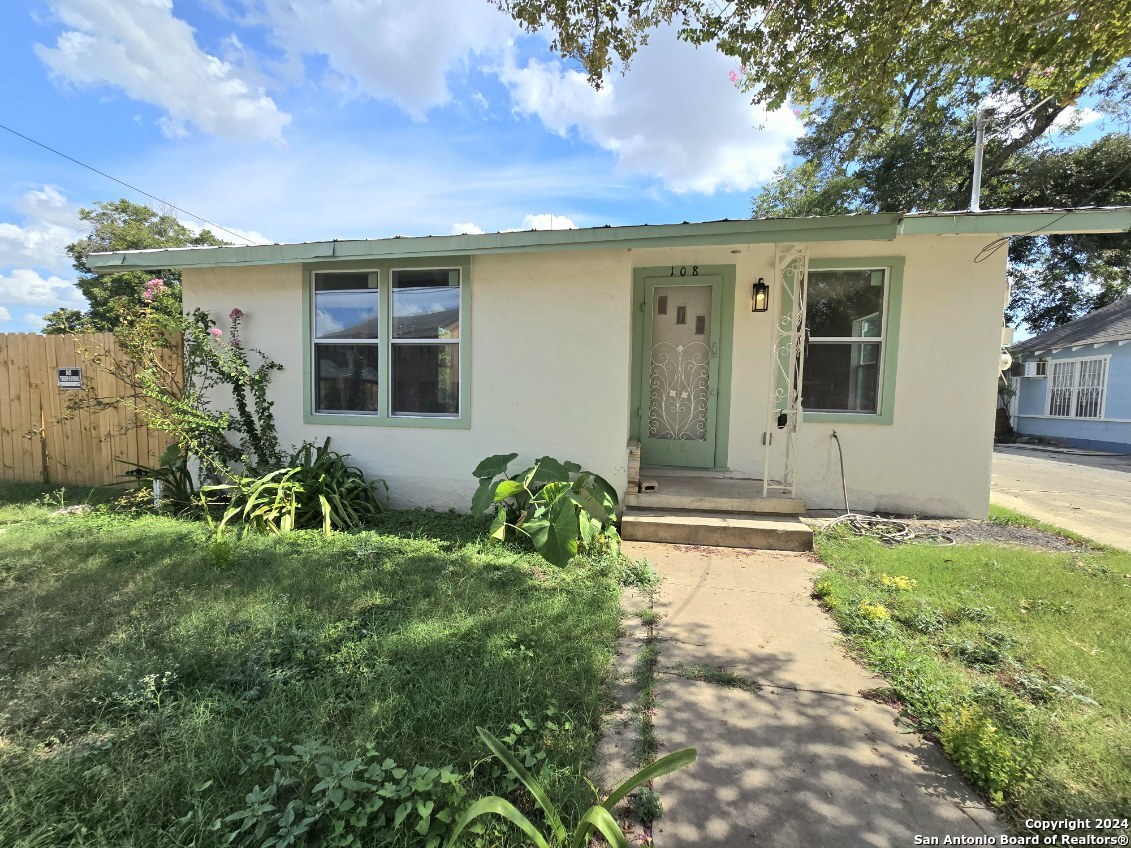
[(869, 56), (122, 225), (922, 160)]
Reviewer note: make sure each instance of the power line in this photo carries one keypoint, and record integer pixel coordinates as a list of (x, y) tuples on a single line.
[(127, 185)]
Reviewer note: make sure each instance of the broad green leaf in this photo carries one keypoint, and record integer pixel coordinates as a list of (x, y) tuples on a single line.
[(591, 500), (550, 493), (540, 797), (506, 489), (499, 807), (493, 466), (550, 470), (601, 819), (662, 766), (483, 497), (499, 525), (556, 538)]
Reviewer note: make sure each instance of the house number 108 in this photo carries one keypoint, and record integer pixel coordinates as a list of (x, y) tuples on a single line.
[(683, 271)]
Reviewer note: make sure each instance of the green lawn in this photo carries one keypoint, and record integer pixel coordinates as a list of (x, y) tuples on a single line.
[(1035, 645), (140, 664)]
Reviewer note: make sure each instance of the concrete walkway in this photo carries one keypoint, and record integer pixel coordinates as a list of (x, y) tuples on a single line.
[(1089, 494), (806, 761)]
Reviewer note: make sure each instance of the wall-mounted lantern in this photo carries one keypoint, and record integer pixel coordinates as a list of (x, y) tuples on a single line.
[(760, 302)]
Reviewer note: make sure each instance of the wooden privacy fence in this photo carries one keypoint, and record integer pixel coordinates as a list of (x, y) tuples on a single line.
[(40, 441)]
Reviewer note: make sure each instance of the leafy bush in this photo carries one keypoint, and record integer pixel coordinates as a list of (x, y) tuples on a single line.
[(316, 490), (558, 506), (991, 760), (311, 797)]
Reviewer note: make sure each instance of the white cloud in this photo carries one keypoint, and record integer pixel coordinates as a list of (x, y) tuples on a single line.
[(467, 229), (547, 221), (50, 223), (400, 50), (1074, 117), (675, 115), (25, 287), (142, 48), (5, 315)]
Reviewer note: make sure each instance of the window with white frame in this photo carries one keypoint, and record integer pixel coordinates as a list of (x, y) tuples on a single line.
[(398, 328), (844, 316), (1077, 387), (346, 313)]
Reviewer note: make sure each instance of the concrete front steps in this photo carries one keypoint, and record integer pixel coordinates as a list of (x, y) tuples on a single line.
[(713, 511)]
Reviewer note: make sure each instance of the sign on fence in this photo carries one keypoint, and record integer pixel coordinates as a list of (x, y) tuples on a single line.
[(41, 441), (70, 378)]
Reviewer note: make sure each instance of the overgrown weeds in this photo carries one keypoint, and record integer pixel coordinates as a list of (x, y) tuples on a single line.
[(1018, 660), (141, 664)]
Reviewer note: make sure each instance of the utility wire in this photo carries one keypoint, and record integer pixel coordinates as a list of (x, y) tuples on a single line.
[(994, 246), (127, 185)]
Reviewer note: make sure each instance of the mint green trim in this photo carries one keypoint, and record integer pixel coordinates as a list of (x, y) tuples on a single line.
[(879, 227), (1019, 222), (382, 418), (886, 414), (728, 305)]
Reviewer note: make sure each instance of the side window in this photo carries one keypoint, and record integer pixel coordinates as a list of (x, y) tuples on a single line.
[(844, 357)]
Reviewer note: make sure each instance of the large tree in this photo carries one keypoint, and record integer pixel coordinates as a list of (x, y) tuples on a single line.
[(868, 56), (922, 160), (122, 225)]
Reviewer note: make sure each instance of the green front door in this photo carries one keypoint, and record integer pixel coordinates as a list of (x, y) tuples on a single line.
[(679, 380)]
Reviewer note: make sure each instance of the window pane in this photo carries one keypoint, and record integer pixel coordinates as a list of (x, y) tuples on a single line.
[(345, 280), (426, 304), (346, 378), (1063, 382), (841, 377), (345, 314), (845, 304), (426, 379)]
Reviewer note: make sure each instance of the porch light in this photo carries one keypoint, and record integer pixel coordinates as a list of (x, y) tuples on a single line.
[(761, 297)]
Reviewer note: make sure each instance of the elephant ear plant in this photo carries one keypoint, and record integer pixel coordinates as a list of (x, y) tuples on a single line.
[(598, 818), (559, 506)]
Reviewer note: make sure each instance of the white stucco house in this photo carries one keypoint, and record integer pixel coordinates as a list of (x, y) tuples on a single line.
[(730, 351)]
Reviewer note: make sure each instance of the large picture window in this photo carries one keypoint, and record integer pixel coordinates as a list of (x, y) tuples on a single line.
[(386, 342), (1077, 387), (844, 314)]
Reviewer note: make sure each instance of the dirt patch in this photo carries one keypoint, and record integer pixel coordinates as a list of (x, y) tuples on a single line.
[(971, 531)]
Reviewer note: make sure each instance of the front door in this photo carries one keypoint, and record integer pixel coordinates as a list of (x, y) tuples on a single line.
[(679, 383)]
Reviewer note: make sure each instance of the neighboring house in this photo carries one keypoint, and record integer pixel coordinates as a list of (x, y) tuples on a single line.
[(422, 356), (1074, 381)]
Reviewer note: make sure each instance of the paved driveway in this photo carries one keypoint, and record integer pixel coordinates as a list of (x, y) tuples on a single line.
[(1088, 494)]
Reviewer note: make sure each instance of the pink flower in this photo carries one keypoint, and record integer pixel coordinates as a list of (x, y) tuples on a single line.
[(734, 76), (236, 314), (153, 288), (216, 332)]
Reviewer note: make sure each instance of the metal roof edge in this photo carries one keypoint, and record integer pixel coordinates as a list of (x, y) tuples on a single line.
[(845, 227), (885, 226)]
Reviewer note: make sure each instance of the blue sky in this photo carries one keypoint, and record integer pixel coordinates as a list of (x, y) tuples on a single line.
[(294, 120)]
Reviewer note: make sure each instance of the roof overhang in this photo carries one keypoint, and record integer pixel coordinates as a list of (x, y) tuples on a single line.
[(885, 226)]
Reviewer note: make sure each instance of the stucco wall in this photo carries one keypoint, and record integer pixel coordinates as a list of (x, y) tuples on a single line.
[(1112, 432), (549, 359), (934, 459), (550, 348)]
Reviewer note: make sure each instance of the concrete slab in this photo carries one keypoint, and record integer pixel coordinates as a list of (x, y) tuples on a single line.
[(785, 768), (728, 529), (804, 761), (1090, 495), (713, 494)]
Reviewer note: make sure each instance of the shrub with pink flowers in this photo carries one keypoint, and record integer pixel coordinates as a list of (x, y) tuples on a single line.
[(186, 402)]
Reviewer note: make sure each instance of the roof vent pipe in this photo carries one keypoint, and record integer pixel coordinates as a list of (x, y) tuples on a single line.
[(980, 123)]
